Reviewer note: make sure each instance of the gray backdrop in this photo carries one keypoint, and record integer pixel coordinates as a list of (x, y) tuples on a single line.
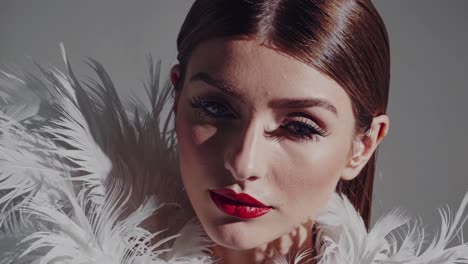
[(421, 162)]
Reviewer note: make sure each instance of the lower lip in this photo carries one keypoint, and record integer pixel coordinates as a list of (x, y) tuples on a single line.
[(242, 211)]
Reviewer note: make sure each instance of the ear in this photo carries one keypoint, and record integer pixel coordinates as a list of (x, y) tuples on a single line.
[(175, 79), (364, 146)]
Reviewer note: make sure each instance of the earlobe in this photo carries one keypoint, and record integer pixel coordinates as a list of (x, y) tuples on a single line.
[(175, 74), (364, 146)]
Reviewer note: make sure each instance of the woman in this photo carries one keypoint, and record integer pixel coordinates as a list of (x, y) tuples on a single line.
[(278, 104), (284, 101)]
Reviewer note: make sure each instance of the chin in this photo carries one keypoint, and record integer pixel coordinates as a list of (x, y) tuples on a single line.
[(235, 236)]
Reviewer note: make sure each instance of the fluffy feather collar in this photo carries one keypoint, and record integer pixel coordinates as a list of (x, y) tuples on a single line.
[(68, 150)]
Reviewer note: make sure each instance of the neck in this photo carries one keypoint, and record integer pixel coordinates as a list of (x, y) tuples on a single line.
[(299, 239)]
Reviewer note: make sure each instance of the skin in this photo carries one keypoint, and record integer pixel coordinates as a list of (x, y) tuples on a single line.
[(224, 145)]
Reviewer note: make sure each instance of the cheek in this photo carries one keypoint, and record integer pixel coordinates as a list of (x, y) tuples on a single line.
[(316, 162), (307, 175), (201, 133), (195, 149)]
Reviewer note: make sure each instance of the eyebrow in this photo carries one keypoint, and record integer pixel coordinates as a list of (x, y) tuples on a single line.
[(303, 103), (223, 85), (230, 89)]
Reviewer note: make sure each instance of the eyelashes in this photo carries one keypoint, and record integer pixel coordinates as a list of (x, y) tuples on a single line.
[(301, 129), (211, 107)]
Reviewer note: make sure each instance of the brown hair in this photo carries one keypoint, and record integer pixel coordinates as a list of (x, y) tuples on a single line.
[(343, 39)]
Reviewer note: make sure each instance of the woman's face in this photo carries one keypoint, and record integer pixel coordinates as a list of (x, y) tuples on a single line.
[(255, 121)]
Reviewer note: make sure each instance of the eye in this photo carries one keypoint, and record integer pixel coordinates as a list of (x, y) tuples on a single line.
[(299, 130), (211, 107)]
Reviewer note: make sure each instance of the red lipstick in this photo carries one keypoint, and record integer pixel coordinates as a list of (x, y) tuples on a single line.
[(241, 205)]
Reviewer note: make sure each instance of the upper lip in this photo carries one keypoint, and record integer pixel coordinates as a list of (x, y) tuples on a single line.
[(240, 197)]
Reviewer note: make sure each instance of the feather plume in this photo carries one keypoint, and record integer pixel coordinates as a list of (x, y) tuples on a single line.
[(295, 259), (343, 238), (191, 246), (27, 166), (95, 236), (71, 130), (16, 100), (33, 159)]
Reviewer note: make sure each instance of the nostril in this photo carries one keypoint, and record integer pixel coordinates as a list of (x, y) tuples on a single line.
[(252, 178)]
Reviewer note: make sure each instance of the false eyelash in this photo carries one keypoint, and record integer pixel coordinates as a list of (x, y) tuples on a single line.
[(315, 132), (312, 126)]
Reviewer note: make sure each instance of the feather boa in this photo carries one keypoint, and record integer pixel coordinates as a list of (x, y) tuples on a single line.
[(69, 151)]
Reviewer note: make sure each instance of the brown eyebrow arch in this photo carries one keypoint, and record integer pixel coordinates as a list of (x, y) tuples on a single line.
[(303, 103), (232, 90), (223, 85)]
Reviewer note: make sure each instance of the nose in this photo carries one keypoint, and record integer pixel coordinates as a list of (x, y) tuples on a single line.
[(245, 155)]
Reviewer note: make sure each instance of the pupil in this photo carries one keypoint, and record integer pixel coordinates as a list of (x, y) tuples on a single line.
[(214, 108), (300, 129)]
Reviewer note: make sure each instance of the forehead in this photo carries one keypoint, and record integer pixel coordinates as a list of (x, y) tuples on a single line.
[(263, 73)]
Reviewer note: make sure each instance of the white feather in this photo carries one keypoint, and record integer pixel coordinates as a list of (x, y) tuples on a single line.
[(295, 259), (16, 100), (345, 240), (93, 236), (26, 166), (191, 246), (72, 129)]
